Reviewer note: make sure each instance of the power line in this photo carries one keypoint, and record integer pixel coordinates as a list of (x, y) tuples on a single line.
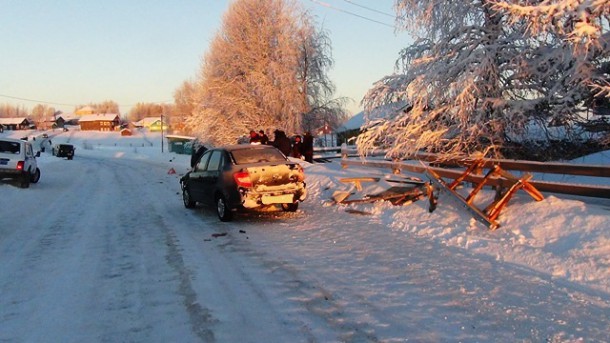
[(324, 4), (32, 100), (370, 9), (74, 105)]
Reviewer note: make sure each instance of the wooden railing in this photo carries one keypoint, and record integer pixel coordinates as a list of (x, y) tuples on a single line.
[(601, 190)]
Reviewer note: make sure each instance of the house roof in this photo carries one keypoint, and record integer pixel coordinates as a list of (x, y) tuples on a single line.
[(147, 121), (13, 121), (380, 112), (68, 116), (85, 110), (99, 117)]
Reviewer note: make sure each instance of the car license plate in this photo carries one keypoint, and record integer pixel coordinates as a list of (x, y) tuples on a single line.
[(3, 162), (277, 199)]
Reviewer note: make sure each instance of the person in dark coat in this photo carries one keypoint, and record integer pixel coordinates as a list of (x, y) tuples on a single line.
[(308, 147), (263, 137), (282, 142), (297, 148), (196, 155)]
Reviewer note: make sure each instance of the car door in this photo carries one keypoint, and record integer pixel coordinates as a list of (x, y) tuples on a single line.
[(30, 159), (196, 182), (212, 174)]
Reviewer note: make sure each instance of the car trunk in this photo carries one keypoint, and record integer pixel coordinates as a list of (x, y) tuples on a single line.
[(271, 175), (274, 184)]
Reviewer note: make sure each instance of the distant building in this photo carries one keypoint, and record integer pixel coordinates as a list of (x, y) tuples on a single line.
[(67, 119), (18, 123), (152, 124), (99, 122), (87, 110)]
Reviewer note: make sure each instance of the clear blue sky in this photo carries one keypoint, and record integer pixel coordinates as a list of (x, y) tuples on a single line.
[(70, 52)]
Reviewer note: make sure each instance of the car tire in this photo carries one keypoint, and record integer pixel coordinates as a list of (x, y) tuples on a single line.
[(222, 209), (290, 207), (187, 199), (34, 178)]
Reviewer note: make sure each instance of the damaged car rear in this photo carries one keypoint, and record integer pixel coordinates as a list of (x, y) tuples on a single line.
[(244, 176)]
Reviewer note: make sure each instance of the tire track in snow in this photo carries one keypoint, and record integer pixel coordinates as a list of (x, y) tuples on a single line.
[(199, 316), (320, 314)]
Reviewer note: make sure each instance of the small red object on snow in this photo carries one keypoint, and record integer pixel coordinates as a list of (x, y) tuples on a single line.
[(171, 171)]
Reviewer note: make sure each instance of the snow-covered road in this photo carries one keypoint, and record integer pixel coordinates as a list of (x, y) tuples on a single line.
[(102, 250)]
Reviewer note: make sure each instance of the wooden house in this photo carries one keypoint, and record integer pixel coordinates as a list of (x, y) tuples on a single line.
[(152, 124), (99, 122), (16, 123)]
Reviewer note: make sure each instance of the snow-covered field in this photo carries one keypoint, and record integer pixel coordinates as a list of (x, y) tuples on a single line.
[(103, 250)]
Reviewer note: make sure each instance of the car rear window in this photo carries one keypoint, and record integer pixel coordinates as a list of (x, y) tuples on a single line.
[(10, 147), (246, 156)]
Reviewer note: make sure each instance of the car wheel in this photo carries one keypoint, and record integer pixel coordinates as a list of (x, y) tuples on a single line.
[(34, 178), (186, 197), (290, 207), (222, 209)]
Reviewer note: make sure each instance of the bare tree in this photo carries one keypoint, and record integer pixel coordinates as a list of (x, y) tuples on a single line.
[(43, 116), (147, 110), (315, 62), (254, 75), (475, 78), (7, 110), (184, 101)]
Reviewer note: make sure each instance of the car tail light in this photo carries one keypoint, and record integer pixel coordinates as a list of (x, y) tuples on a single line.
[(20, 165), (300, 173), (242, 179)]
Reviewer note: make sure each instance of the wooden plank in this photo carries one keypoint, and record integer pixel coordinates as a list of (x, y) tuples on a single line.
[(357, 181), (475, 212), (528, 166)]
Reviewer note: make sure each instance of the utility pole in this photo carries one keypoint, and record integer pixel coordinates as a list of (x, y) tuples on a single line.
[(161, 133)]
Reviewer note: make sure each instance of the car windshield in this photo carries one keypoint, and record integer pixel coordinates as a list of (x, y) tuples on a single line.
[(245, 156), (10, 147)]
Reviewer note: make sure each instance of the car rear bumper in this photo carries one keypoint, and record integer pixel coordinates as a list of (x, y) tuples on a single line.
[(250, 198), (10, 173)]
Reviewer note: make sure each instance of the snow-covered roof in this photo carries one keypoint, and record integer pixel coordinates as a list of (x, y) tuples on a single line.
[(99, 117), (69, 116), (12, 121), (147, 121), (85, 110), (357, 120), (180, 137), (353, 123)]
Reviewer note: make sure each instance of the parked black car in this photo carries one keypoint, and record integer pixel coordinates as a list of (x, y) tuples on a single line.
[(244, 177), (63, 150)]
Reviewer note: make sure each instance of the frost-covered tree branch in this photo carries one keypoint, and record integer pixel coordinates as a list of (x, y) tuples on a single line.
[(479, 73)]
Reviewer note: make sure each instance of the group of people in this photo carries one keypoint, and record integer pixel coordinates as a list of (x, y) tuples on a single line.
[(301, 147)]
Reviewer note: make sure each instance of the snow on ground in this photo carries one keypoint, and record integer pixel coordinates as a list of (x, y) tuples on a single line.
[(363, 262)]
